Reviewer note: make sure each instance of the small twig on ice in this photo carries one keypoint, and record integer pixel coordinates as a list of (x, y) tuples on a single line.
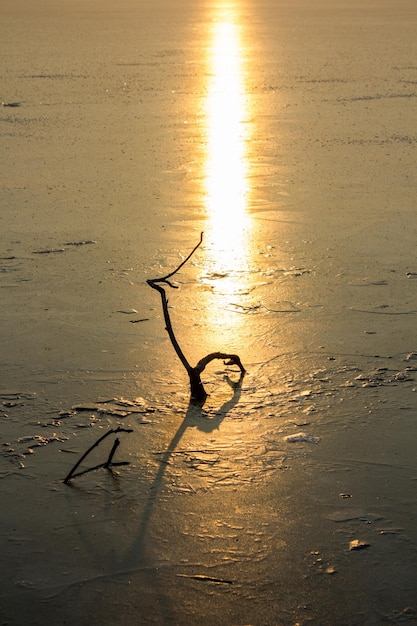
[(111, 455), (164, 279), (108, 463), (198, 393)]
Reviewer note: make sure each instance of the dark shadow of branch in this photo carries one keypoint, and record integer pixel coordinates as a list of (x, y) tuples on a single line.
[(195, 417)]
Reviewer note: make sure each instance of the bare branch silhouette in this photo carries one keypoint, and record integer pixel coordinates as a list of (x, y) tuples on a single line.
[(198, 393)]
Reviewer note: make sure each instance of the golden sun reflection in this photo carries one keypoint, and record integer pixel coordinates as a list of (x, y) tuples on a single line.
[(227, 232), (226, 164)]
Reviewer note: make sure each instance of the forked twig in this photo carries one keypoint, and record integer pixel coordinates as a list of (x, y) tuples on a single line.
[(109, 463), (165, 278)]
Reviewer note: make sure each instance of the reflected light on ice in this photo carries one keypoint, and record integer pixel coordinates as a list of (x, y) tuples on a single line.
[(226, 163), (228, 227)]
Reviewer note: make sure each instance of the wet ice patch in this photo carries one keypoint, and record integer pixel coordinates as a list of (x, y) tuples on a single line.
[(357, 544), (118, 407), (26, 445), (87, 242), (301, 438), (35, 441), (49, 251), (64, 247), (382, 376), (127, 311)]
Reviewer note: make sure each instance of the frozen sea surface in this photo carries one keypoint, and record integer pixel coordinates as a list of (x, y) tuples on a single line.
[(245, 510)]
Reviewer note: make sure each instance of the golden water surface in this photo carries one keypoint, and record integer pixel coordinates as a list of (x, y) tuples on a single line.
[(228, 229)]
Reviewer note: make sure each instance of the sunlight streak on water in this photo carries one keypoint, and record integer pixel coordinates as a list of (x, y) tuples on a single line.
[(228, 229), (226, 164)]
